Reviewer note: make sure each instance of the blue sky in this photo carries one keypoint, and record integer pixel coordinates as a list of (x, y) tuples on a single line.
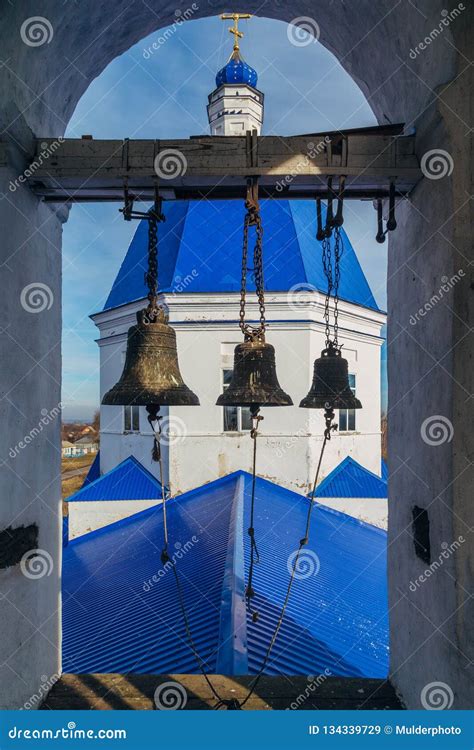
[(164, 95)]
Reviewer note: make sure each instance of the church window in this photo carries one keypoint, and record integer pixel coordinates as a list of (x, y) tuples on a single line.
[(131, 419), (236, 418), (347, 417)]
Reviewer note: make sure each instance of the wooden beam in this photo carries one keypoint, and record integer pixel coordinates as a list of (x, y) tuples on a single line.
[(217, 167)]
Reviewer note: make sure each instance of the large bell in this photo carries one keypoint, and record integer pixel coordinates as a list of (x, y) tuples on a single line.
[(254, 380), (330, 388), (151, 373)]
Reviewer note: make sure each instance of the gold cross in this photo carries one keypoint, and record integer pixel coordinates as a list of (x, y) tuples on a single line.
[(235, 17)]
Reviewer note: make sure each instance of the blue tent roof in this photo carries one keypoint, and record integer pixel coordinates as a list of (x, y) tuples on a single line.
[(127, 481), (121, 612), (94, 471), (350, 479), (200, 251)]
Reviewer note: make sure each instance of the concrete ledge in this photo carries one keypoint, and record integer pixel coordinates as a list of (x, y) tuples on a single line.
[(136, 692)]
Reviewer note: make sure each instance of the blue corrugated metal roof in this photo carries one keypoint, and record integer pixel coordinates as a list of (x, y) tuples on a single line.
[(118, 618), (350, 479), (94, 471), (200, 251), (127, 481)]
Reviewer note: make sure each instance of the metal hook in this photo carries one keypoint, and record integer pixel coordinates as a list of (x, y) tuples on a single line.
[(392, 222), (380, 236), (320, 234), (339, 220)]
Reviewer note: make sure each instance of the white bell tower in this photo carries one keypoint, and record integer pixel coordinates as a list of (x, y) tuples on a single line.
[(235, 105)]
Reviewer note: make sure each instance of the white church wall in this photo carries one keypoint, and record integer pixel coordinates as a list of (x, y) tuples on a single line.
[(90, 515), (373, 510), (198, 450)]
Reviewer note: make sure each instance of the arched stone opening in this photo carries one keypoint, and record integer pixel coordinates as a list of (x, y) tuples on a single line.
[(430, 363)]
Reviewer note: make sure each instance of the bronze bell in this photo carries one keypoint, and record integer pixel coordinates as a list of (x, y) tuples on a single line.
[(330, 388), (151, 373), (254, 380)]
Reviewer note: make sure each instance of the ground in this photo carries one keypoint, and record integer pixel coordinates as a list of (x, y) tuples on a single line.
[(73, 472)]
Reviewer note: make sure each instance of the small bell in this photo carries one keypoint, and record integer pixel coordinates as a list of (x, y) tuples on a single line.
[(330, 388), (254, 380), (151, 372)]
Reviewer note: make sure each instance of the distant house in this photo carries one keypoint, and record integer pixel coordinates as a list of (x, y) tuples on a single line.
[(86, 444), (67, 449)]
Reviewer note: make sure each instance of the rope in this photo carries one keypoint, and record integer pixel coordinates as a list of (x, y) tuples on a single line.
[(234, 703), (249, 592)]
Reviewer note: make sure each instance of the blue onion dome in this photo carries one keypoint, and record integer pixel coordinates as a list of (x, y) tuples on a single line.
[(237, 71)]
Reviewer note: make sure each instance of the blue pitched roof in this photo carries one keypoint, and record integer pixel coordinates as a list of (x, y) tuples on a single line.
[(121, 612), (200, 251), (350, 479), (127, 481), (384, 469), (94, 471)]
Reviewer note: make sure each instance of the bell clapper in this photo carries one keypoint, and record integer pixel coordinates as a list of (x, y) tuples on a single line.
[(254, 556), (154, 419)]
